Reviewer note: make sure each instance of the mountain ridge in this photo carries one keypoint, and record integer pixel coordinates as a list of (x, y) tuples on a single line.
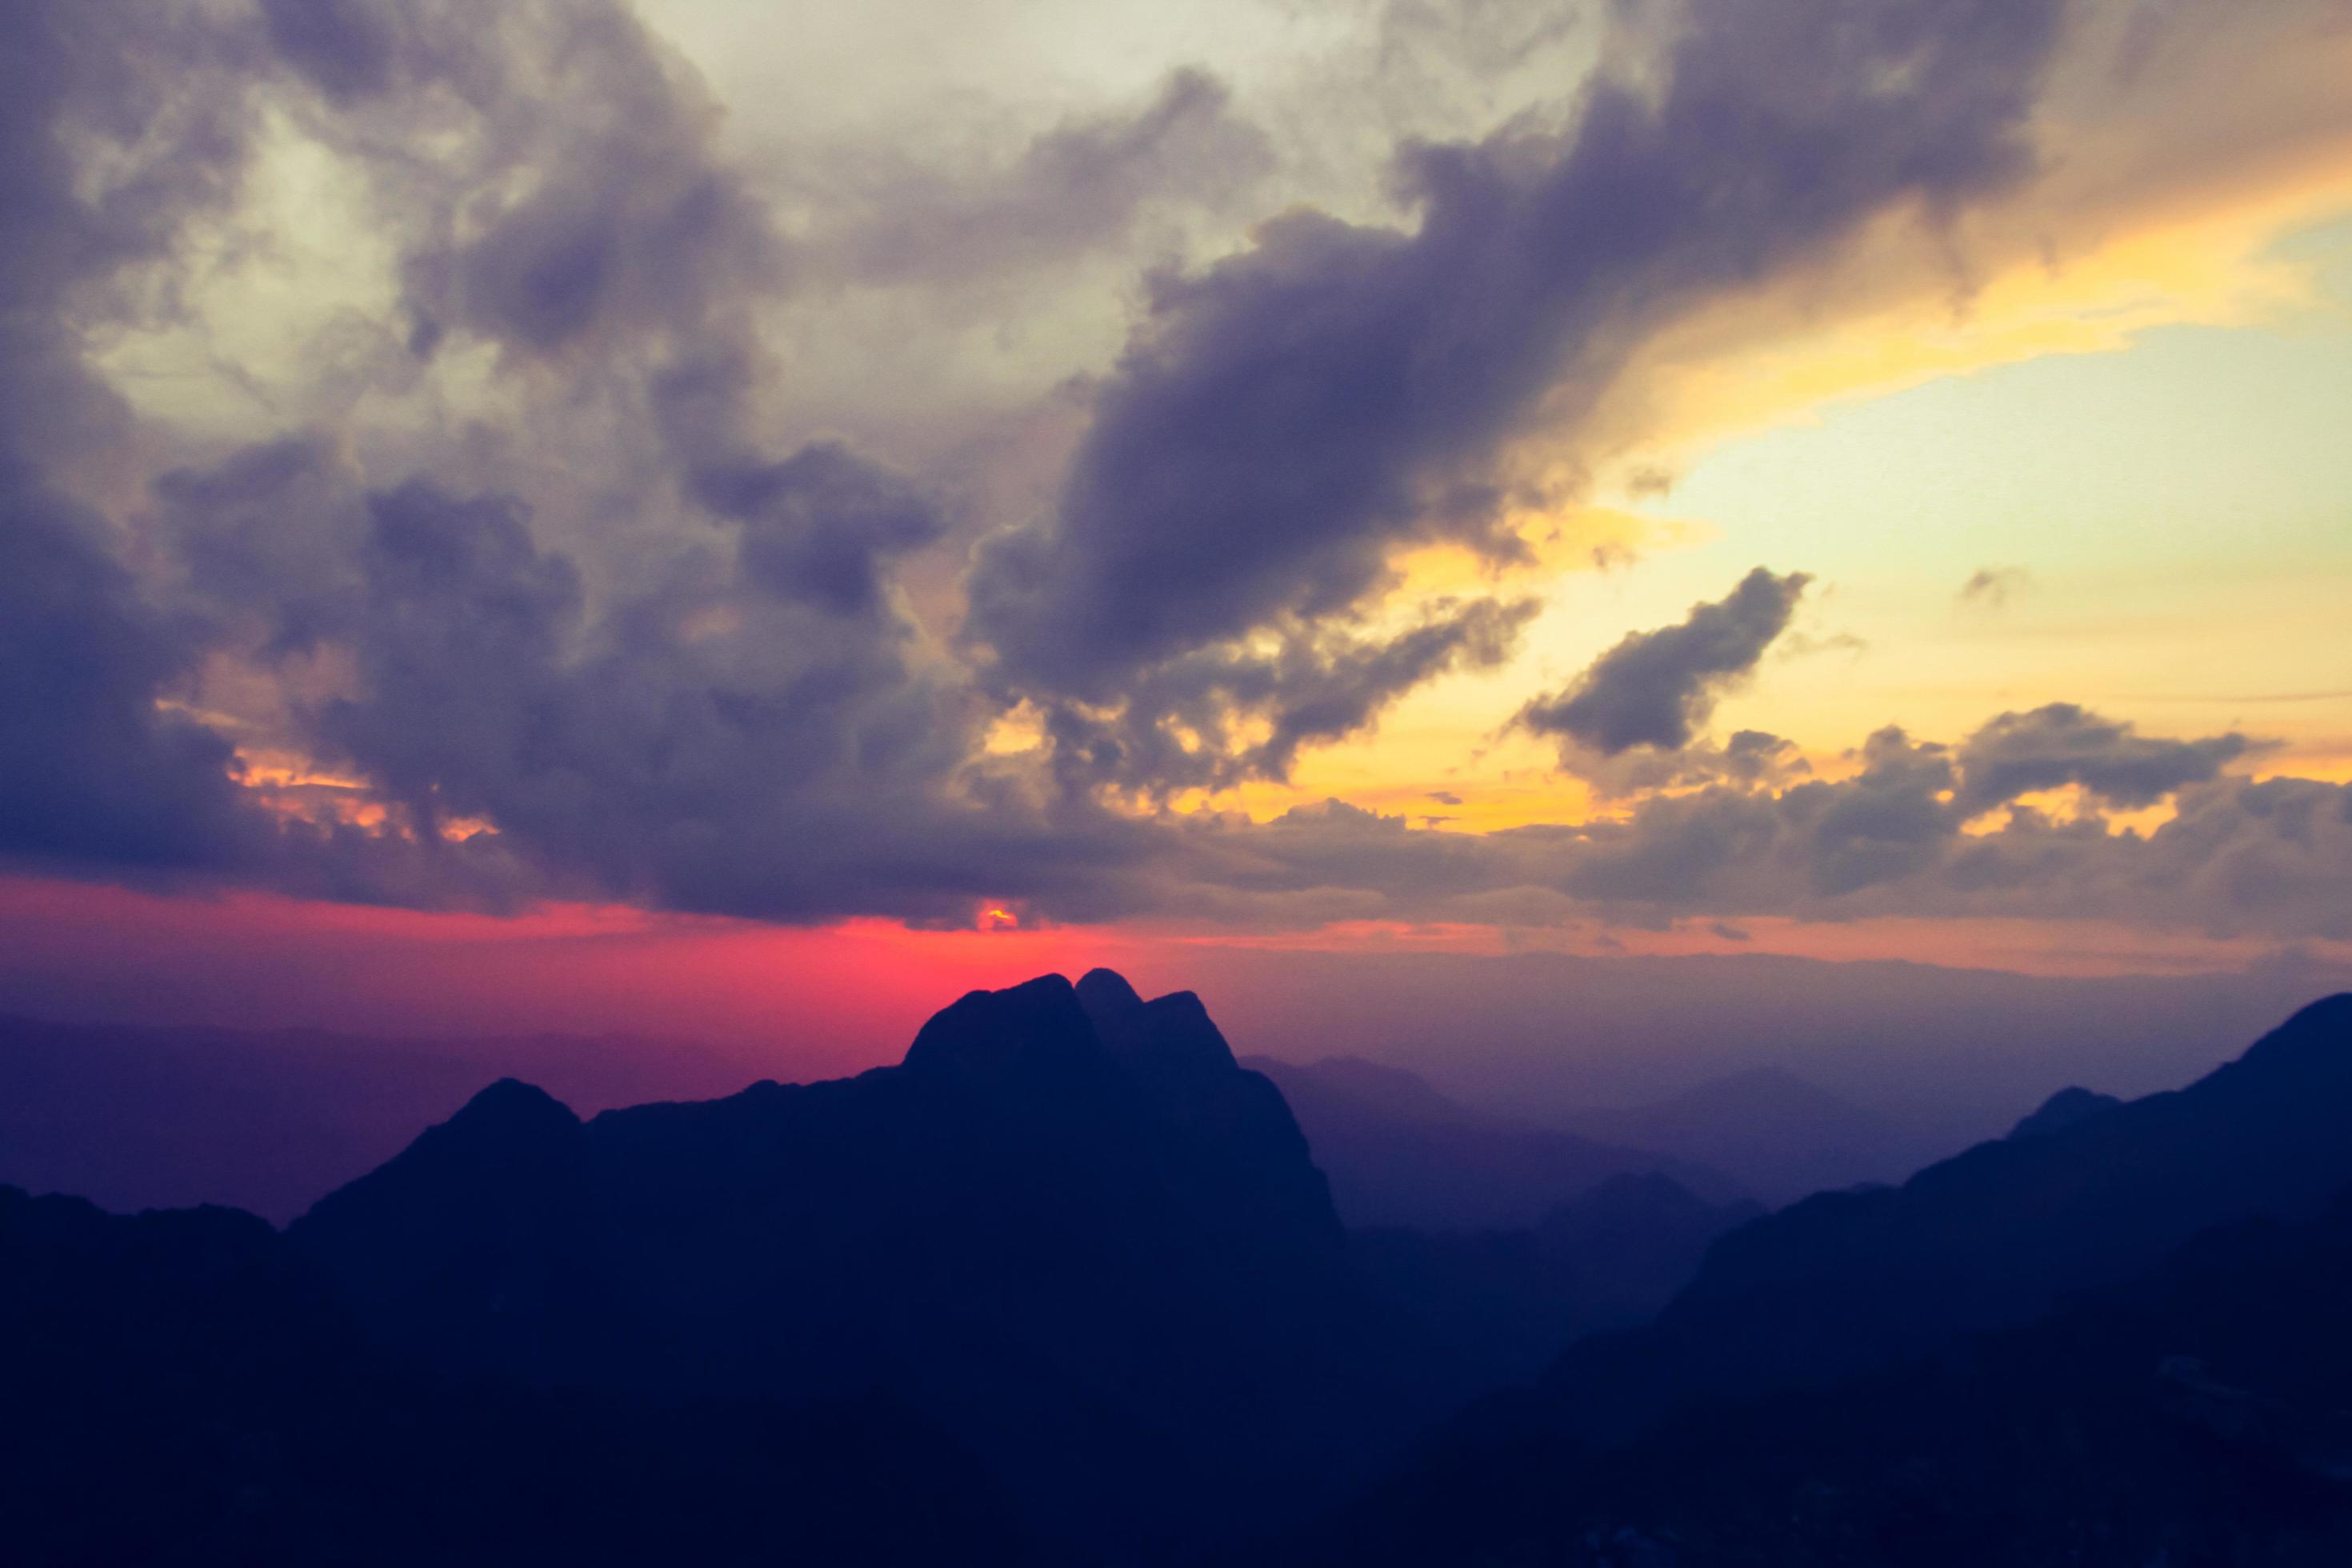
[(1843, 1281), (1103, 1253)]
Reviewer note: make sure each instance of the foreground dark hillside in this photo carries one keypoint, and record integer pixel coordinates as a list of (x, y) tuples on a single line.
[(1066, 1285), (179, 1388)]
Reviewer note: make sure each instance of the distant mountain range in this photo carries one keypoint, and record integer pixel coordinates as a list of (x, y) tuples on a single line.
[(271, 1120), (1399, 1153), (1066, 1285), (2165, 1285), (1780, 1136)]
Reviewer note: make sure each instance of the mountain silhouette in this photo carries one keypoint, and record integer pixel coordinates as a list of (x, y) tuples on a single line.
[(1847, 1283), (1068, 1229), (2198, 1413), (1065, 1285), (1778, 1135), (1399, 1153), (2114, 1342), (2063, 1109), (180, 1388), (269, 1120), (1844, 1281)]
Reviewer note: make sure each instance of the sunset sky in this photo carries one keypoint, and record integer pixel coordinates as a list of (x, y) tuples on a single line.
[(856, 500)]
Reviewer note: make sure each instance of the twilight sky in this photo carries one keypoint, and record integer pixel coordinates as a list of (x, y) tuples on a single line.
[(1833, 477)]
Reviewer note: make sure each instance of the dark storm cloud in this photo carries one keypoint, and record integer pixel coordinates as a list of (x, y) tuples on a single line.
[(1286, 419), (823, 525), (1656, 689), (752, 733), (738, 720), (744, 722), (91, 770), (346, 48), (2059, 745)]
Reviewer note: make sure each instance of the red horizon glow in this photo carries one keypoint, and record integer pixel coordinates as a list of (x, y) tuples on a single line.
[(807, 1000)]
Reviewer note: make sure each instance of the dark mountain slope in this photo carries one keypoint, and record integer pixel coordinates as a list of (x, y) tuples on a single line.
[(2063, 1109), (2198, 1415), (1504, 1302), (179, 1388), (1846, 1281), (1101, 1256), (1398, 1152)]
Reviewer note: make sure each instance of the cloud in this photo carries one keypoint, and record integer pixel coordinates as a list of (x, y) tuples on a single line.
[(821, 525), (1224, 714), (1078, 188), (1286, 418), (1656, 689), (2239, 857), (1757, 757), (92, 770), (2060, 744), (533, 594), (753, 732), (575, 200), (1994, 586)]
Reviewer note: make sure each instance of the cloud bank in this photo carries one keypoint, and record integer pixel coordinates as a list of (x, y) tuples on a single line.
[(509, 581)]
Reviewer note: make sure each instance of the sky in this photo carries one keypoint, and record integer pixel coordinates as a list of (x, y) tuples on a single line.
[(824, 504)]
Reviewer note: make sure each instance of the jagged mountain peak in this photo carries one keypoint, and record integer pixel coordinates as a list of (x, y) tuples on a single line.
[(512, 1104), (1172, 1033), (1105, 994), (1037, 1025)]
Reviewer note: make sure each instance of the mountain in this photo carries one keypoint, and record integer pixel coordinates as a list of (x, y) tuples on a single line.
[(1401, 1153), (136, 1118), (1778, 1134), (1068, 1229), (1845, 1283), (2117, 1342), (2062, 1109), (180, 1388), (2194, 1413), (1065, 1285), (1504, 1302)]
